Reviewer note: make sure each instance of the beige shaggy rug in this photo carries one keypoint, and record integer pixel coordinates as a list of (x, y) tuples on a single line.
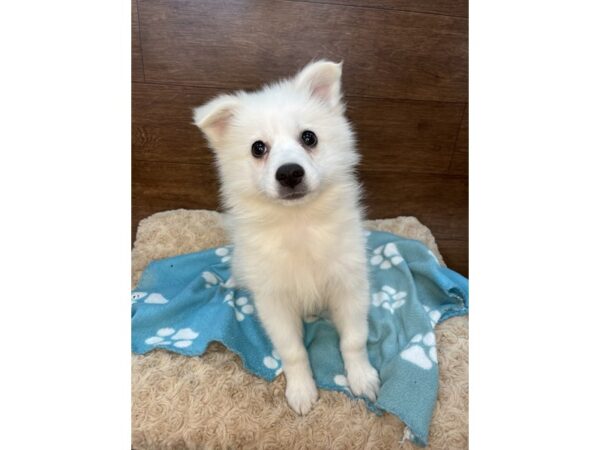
[(210, 402)]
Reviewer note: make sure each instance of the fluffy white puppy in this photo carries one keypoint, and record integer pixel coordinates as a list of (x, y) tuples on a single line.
[(286, 157)]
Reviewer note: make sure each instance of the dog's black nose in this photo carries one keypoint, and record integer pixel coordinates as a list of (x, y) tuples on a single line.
[(290, 175)]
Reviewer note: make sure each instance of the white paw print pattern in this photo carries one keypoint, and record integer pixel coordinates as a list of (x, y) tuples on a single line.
[(154, 298), (273, 362), (434, 315), (386, 256), (169, 336), (213, 279), (389, 298), (224, 253), (341, 381), (241, 306), (422, 351)]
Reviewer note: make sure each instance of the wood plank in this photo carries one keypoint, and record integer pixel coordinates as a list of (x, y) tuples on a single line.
[(462, 143), (456, 254), (404, 136), (238, 45), (460, 160), (439, 201), (457, 8), (394, 135), (162, 123), (137, 65), (163, 186)]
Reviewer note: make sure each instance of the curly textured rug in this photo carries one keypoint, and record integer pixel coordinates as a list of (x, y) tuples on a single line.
[(210, 402)]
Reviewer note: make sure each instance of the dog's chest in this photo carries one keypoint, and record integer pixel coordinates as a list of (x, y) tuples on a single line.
[(302, 246), (292, 256)]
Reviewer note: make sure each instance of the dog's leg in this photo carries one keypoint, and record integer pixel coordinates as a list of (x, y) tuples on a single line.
[(349, 308), (284, 327)]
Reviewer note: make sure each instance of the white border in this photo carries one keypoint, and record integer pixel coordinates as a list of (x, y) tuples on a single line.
[(534, 224), (65, 186)]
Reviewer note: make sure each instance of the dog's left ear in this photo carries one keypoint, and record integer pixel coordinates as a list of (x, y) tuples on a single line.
[(323, 80)]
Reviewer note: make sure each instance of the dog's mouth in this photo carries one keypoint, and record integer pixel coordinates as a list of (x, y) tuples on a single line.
[(293, 195)]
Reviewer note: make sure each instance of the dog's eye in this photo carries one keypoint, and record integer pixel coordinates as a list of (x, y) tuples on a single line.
[(309, 138), (259, 148)]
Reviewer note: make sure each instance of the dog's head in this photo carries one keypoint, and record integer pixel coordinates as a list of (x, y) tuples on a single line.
[(286, 142)]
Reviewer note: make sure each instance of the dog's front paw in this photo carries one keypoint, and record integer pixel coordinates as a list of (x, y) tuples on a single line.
[(301, 395), (363, 380)]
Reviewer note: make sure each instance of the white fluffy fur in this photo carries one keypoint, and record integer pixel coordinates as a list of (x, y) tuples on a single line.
[(298, 257)]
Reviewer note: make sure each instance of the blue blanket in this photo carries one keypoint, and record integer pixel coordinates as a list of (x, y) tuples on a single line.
[(183, 303)]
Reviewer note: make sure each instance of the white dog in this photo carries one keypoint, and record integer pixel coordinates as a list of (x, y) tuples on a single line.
[(286, 157)]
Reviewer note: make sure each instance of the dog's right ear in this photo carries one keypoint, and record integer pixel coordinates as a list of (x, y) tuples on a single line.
[(322, 79), (214, 117)]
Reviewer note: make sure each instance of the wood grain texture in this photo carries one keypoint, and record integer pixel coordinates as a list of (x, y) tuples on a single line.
[(164, 185), (162, 123), (439, 201), (394, 135), (462, 141), (239, 44), (404, 135), (456, 8), (460, 160), (137, 65)]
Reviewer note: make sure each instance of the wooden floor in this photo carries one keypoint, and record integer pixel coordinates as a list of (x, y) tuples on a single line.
[(405, 81)]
